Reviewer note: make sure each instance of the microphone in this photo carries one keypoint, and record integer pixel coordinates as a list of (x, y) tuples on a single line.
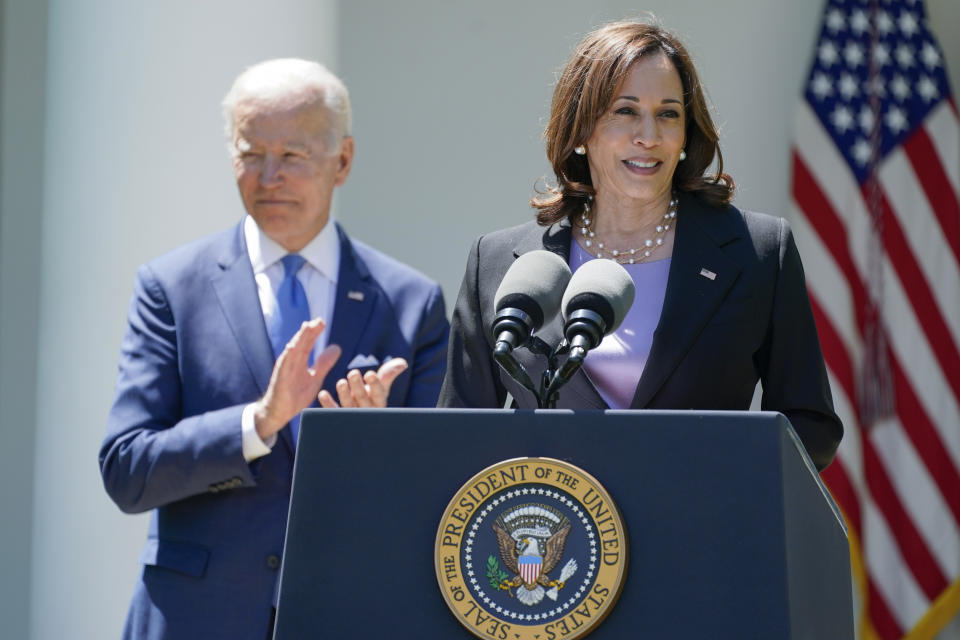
[(596, 301), (527, 298)]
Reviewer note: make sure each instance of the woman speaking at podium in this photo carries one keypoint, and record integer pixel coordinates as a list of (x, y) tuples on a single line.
[(720, 296)]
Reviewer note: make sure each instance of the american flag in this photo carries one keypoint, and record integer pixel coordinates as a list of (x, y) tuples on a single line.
[(876, 211)]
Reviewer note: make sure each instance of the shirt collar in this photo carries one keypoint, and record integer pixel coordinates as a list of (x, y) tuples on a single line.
[(323, 252)]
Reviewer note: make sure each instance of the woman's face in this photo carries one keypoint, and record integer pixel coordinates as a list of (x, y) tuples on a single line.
[(636, 143)]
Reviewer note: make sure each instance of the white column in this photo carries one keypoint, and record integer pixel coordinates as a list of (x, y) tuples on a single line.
[(23, 25), (135, 165)]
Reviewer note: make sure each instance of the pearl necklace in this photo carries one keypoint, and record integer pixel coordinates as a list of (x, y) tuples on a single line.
[(627, 256)]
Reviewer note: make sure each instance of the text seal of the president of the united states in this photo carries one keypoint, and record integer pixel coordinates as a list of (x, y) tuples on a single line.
[(531, 548)]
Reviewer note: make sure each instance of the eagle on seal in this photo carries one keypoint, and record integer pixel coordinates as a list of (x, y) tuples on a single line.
[(525, 552)]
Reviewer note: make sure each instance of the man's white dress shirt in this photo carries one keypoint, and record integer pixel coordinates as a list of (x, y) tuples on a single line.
[(319, 279)]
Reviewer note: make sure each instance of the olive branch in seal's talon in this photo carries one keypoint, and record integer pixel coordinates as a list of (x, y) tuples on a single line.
[(499, 579)]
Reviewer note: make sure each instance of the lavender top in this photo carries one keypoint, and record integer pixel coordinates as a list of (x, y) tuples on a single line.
[(615, 366)]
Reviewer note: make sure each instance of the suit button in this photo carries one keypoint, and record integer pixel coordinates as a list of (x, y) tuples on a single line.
[(236, 482), (214, 488), (273, 562)]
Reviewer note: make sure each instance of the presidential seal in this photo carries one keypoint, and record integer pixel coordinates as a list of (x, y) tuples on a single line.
[(531, 549)]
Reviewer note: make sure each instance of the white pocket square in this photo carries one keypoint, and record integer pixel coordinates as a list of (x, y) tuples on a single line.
[(361, 361)]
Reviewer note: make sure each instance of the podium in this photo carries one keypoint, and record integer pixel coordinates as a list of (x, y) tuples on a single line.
[(730, 532)]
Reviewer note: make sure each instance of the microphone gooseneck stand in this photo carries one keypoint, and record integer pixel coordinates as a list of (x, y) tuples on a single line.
[(594, 302), (584, 332)]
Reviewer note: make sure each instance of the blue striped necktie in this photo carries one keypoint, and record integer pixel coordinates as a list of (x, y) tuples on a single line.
[(291, 311)]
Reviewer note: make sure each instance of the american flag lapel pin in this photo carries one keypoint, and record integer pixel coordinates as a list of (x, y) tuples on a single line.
[(709, 275), (355, 295)]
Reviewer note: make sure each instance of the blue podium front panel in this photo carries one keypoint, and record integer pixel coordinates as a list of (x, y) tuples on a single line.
[(729, 532)]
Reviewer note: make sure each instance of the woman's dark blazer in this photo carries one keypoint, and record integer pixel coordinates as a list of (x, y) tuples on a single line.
[(735, 311)]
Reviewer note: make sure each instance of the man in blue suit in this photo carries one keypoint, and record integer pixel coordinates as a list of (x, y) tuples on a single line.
[(202, 429)]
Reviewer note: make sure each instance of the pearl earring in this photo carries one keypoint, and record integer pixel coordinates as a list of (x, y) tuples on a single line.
[(580, 150), (683, 155)]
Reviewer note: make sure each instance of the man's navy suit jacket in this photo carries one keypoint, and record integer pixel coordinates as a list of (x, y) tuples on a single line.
[(196, 351)]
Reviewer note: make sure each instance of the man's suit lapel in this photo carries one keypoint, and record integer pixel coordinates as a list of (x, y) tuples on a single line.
[(236, 291), (701, 274), (556, 239), (355, 301)]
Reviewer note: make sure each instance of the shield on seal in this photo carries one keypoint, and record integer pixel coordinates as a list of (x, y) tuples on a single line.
[(529, 568)]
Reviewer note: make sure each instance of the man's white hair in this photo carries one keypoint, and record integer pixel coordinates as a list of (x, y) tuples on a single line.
[(282, 77)]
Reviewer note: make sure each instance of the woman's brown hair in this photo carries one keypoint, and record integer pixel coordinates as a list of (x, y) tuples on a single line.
[(584, 92)]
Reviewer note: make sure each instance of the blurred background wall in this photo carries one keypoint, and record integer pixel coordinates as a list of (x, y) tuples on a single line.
[(113, 153)]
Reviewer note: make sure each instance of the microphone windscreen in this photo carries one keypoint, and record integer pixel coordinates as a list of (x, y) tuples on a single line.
[(534, 283), (603, 286)]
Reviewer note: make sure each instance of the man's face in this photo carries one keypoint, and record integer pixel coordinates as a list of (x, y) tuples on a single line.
[(285, 171)]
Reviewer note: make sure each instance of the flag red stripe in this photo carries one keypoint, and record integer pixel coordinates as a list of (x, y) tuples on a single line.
[(912, 546), (883, 621), (917, 290), (824, 220), (838, 360), (919, 428), (912, 416), (838, 481), (833, 234), (933, 178), (831, 230), (834, 350)]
